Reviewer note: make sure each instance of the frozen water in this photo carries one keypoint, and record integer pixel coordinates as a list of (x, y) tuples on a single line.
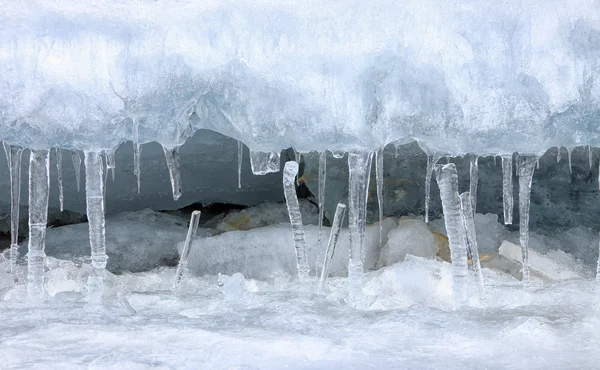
[(486, 79), (338, 220), (234, 287), (526, 168), (290, 171), (263, 163), (471, 239), (172, 157), (448, 182), (59, 180), (379, 179), (185, 252), (322, 179), (431, 162), (13, 157)]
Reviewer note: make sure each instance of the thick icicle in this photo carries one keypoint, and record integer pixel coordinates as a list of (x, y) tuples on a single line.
[(263, 163), (172, 157), (240, 156), (569, 155), (61, 197), (290, 171), (379, 178), (137, 154), (558, 155), (187, 247), (39, 186), (338, 219), (322, 178), (77, 164), (110, 163), (471, 239), (447, 180), (526, 168), (13, 157), (507, 188), (94, 195), (432, 159), (359, 166), (474, 180)]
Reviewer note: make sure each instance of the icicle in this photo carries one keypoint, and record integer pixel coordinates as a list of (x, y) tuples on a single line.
[(187, 248), (495, 163), (77, 164), (290, 171), (569, 153), (137, 153), (379, 178), (297, 158), (526, 168), (537, 163), (359, 166), (263, 163), (338, 219), (590, 156), (558, 155), (240, 156), (507, 188), (13, 157), (104, 180), (94, 195), (447, 180), (474, 180), (172, 157), (39, 186), (432, 159), (471, 239), (447, 159), (322, 177), (61, 197), (110, 163)]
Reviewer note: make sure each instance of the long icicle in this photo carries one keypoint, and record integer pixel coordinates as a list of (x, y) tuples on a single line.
[(447, 180), (240, 157), (13, 157), (474, 180), (507, 188), (338, 219), (185, 252), (39, 189), (432, 159), (61, 197), (290, 171), (359, 166), (598, 265), (77, 164), (569, 155), (379, 179), (526, 168), (94, 195), (104, 179), (590, 156), (172, 157), (137, 154), (471, 239), (322, 178)]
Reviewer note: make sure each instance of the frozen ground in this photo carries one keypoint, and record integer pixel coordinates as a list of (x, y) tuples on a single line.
[(407, 321)]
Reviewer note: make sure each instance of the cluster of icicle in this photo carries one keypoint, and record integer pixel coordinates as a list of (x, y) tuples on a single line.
[(458, 209)]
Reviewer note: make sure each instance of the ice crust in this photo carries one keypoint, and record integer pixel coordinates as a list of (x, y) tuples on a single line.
[(465, 76)]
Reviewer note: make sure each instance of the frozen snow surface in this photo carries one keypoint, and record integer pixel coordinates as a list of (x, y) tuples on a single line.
[(223, 318), (459, 76)]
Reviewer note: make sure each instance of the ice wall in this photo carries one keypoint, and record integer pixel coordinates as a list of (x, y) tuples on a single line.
[(458, 76)]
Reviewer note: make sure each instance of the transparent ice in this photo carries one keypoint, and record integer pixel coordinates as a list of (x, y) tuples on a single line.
[(39, 186), (290, 171), (172, 157), (379, 179), (473, 180), (187, 248), (13, 157), (61, 198), (507, 188), (447, 180), (526, 169), (77, 165), (322, 179), (432, 160), (336, 226), (263, 163), (471, 239)]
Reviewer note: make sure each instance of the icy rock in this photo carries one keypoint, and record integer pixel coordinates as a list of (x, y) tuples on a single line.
[(233, 287), (150, 245), (266, 252), (544, 266), (411, 236), (262, 215)]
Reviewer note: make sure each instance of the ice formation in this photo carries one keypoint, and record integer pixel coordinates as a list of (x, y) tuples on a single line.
[(526, 168), (471, 238), (379, 179), (507, 188), (322, 179), (290, 171), (338, 219), (187, 248), (13, 157), (453, 218)]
